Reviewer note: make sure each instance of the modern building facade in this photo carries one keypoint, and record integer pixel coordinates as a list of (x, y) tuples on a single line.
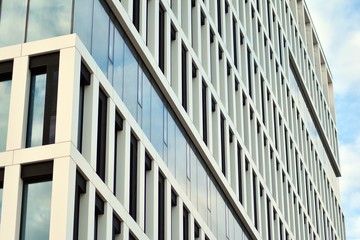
[(166, 119)]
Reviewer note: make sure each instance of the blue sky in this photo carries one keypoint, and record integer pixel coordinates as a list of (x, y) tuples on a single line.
[(337, 24)]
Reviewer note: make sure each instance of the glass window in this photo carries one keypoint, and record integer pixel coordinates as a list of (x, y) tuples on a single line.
[(1, 188), (118, 63), (36, 201), (133, 177), (130, 81), (101, 138), (80, 189), (36, 110), (48, 19), (35, 219), (181, 158), (83, 12), (13, 15), (171, 144), (146, 105), (84, 81), (5, 89), (100, 39), (157, 122), (43, 100)]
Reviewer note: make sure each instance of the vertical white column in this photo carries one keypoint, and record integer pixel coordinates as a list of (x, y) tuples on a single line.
[(143, 14), (68, 96), (177, 221), (123, 166), (167, 44), (176, 65), (186, 18), (124, 232), (233, 165), (189, 84), (62, 199), (11, 203), (153, 28), (128, 6), (90, 123), (167, 210), (196, 28), (191, 226), (87, 211), (20, 87), (141, 185), (105, 222), (152, 189), (110, 146), (197, 101)]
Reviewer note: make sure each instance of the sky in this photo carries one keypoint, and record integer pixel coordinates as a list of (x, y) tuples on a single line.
[(337, 23)]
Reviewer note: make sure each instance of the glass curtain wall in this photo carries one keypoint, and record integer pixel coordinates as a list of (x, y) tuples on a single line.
[(134, 85), (5, 90), (29, 20)]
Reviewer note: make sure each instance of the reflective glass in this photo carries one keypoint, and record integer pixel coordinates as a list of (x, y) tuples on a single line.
[(83, 12), (171, 144), (130, 81), (221, 217), (48, 19), (5, 89), (202, 194), (12, 24), (194, 180), (100, 42), (36, 110), (35, 218), (118, 63), (146, 105), (180, 159), (1, 193), (157, 122)]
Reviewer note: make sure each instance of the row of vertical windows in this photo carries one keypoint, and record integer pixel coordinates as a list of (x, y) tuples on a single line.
[(276, 142), (30, 25), (43, 99), (163, 131), (5, 90)]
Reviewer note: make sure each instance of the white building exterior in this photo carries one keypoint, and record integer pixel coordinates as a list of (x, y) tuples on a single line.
[(166, 119)]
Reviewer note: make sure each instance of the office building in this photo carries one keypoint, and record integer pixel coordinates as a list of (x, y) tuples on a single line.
[(166, 119)]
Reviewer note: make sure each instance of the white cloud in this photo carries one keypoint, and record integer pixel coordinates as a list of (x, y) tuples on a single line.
[(336, 23), (350, 187)]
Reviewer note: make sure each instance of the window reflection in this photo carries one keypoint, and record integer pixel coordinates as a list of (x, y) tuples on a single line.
[(13, 15), (35, 219), (135, 87), (1, 193), (5, 87), (48, 19), (83, 12), (36, 110), (101, 37)]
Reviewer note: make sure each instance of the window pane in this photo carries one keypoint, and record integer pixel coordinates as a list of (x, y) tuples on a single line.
[(36, 110), (35, 219), (100, 36), (146, 106), (48, 19), (5, 87), (83, 12), (118, 63), (181, 158), (13, 13), (130, 81), (157, 122), (1, 193)]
